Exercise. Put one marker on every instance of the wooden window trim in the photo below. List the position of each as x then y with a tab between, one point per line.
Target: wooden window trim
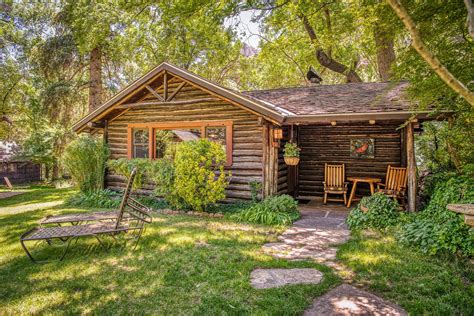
173	125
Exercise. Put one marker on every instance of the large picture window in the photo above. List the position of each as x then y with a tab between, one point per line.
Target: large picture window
154	140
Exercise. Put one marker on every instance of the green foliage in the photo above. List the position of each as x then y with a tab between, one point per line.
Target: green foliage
291	150
199	175
98	199
256	189
163	174
436	229
382	212
275	210
85	159
124	167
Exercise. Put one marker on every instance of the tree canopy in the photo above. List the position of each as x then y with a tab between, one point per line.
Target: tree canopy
59	60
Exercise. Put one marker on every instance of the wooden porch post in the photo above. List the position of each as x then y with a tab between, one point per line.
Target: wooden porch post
411	167
270	161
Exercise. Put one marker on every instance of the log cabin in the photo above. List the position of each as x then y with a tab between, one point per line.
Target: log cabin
253	126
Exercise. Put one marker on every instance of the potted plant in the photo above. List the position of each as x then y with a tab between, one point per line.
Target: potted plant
291	154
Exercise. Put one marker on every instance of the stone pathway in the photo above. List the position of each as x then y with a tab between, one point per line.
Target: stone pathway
315	237
269	278
348	300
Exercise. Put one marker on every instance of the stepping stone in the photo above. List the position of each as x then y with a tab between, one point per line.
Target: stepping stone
270	278
348	300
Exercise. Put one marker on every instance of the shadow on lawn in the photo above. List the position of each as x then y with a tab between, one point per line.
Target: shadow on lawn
183	265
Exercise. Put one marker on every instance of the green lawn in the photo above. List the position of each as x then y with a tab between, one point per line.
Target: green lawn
184	265
421	284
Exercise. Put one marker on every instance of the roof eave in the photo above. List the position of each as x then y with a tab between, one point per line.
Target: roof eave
327	117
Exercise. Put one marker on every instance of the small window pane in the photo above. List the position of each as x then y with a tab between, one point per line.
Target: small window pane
218	135
166	138
140	143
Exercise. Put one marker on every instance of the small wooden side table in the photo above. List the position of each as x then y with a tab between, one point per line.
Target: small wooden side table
356	180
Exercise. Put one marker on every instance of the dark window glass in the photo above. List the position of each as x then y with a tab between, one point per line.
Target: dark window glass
165	139
218	135
140	143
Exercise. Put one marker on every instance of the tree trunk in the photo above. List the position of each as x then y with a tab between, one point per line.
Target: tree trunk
95	77
426	54
327	61
470	17
385	51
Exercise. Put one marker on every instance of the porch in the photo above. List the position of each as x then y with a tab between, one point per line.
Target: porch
391	144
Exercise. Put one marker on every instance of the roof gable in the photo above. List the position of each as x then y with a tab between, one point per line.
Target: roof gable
152	87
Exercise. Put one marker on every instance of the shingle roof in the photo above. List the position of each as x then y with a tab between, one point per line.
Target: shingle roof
373	97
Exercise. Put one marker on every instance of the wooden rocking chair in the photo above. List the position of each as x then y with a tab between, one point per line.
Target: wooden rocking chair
334	176
131	219
395	183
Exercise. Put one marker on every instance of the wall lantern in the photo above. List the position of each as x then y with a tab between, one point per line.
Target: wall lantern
333	123
371	122
277	133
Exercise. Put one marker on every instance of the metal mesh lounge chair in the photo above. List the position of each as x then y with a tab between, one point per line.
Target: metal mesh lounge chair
82	218
133	224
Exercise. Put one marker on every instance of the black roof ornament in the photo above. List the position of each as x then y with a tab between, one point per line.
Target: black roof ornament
313	76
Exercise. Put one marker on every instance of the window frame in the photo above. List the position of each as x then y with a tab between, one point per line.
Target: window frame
175	125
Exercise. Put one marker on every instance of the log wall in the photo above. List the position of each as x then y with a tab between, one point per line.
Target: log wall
247	135
331	144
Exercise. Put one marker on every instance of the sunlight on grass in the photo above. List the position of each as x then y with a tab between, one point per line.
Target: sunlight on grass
419	283
183	265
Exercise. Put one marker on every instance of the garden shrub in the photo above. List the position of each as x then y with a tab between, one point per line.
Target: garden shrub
98	199
124	167
382	212
85	159
275	210
199	176
162	173
256	189
436	229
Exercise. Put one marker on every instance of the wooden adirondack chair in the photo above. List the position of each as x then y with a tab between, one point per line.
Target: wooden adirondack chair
395	183
334	176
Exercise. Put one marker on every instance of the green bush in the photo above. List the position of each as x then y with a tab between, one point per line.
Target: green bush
436	229
199	176
382	212
162	172
275	210
85	160
98	199
124	167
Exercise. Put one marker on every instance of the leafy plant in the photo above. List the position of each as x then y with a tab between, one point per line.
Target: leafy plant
98	199
85	159
275	210
163	174
256	189
124	167
291	150
436	229
199	175
382	212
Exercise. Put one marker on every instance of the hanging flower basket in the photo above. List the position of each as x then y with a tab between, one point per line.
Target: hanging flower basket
292	161
291	154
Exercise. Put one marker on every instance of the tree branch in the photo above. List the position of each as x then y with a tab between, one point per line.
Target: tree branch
325	60
425	53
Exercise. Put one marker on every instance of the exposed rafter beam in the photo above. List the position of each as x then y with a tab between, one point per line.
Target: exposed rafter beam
165	85
155	93
175	92
190	101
